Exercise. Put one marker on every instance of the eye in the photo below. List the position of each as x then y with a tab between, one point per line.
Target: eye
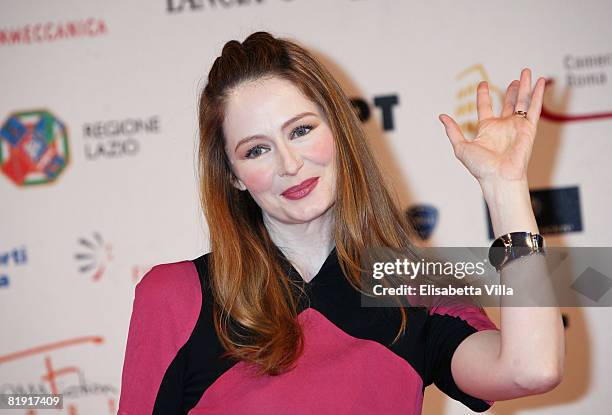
254	151
301	130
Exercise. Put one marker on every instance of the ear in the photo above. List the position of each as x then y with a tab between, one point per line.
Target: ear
237	183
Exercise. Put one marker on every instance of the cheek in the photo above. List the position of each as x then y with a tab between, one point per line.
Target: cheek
257	178
322	150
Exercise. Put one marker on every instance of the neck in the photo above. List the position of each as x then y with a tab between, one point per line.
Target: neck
307	244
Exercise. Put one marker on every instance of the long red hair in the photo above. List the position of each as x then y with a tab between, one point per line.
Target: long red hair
255	307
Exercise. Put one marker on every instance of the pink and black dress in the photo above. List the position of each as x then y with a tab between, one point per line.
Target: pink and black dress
173	361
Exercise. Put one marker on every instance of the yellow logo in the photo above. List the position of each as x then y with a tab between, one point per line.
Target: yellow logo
465	112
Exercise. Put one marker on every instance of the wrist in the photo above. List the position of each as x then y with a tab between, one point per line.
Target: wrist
499	192
509	206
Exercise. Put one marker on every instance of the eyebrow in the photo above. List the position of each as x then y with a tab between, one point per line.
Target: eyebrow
285	124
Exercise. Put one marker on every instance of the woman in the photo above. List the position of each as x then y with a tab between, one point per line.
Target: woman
270	321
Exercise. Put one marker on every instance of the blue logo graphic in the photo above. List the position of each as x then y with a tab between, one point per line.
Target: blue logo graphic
423	218
16	256
557	210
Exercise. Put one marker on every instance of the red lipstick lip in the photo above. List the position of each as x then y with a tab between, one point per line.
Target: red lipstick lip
296	191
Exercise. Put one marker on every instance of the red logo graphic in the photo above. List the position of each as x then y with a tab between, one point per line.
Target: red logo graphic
50	31
51	374
94	256
33	147
552	116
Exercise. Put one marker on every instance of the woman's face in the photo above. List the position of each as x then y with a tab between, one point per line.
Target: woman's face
276	139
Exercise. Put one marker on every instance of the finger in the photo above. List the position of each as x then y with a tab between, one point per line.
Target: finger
453	131
533	115
522	100
483	101
510	99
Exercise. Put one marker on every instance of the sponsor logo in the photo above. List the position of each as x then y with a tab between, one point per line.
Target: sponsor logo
177	6
13	257
52	31
466	112
93	256
557	210
423	218
68	380
117	138
581	72
33	147
385	103
585	71
561	117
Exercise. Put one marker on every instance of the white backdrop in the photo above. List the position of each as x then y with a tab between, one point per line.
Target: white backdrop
118	84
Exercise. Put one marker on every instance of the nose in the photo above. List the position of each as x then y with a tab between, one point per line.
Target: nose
290	160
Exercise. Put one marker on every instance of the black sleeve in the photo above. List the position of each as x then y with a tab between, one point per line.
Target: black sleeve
446	329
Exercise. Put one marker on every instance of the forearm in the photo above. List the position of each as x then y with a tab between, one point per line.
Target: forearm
510	207
532	338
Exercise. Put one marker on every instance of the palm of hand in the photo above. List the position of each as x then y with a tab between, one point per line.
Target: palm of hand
502	146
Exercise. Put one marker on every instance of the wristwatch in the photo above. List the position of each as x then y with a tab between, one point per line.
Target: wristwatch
514	245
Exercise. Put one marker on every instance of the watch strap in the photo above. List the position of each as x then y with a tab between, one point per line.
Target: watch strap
514	245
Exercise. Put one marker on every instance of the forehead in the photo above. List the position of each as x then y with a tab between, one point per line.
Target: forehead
261	106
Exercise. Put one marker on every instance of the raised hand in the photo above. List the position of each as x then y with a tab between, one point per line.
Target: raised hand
502	147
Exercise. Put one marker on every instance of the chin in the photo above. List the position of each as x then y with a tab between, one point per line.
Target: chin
309	213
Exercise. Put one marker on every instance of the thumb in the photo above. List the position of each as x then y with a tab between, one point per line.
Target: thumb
453	131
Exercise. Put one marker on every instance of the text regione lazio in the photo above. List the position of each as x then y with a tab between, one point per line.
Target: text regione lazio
305	207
